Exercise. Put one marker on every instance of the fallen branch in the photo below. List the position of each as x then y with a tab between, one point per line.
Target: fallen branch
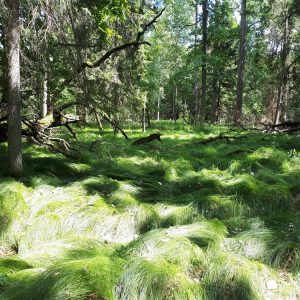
219	138
285	127
222	137
148	139
115	125
186	121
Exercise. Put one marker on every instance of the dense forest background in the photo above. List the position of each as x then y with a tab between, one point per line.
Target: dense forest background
209	61
161	149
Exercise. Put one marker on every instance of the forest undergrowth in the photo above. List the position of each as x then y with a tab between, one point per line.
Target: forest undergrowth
171	220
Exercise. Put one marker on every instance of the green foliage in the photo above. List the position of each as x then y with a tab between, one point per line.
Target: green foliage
167	221
106	12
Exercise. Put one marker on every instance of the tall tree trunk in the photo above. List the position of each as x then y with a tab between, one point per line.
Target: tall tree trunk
148	117
214	102
81	110
14	101
144	117
158	107
3	78
44	96
241	63
196	84
283	81
204	66
175	103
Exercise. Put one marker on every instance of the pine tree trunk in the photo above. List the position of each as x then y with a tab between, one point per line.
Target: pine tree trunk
158	107
196	84
204	66
14	101
144	118
214	102
241	64
282	96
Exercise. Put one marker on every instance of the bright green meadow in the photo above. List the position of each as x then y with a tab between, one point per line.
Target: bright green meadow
173	220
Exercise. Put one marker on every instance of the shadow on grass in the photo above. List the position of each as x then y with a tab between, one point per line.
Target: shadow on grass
255	177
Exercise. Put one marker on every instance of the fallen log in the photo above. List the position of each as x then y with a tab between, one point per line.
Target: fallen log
148	139
221	137
285	127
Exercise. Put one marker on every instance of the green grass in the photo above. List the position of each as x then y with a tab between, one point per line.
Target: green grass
172	220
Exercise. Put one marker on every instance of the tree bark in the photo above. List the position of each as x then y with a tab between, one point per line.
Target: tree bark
97	117
44	98
158	108
214	102
204	66
241	64
175	104
283	81
196	83
14	113
144	118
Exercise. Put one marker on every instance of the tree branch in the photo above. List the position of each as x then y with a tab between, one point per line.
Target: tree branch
141	33
108	54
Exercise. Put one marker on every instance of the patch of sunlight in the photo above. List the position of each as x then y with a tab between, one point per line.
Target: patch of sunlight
184	136
211	151
215	174
178	250
177	168
171	174
271	156
237	179
240	278
234	166
202	233
156	280
175	215
128	188
80	167
291	165
252	244
60	213
222	207
137	161
44	254
124	196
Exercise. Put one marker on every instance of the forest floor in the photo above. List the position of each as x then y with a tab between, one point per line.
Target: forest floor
172	220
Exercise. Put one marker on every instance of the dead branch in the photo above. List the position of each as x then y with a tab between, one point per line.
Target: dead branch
186	121
141	33
148	139
285	127
115	125
137	43
219	138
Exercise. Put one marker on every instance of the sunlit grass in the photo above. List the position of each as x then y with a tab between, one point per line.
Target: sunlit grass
171	220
